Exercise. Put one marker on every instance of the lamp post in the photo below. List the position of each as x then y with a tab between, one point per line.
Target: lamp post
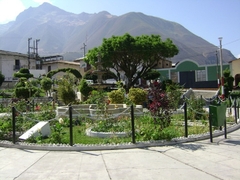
221	68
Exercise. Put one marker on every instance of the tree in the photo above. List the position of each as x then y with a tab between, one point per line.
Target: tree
228	82
46	84
135	56
66	89
2	78
152	75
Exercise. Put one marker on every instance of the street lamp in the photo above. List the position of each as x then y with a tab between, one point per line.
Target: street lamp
221	68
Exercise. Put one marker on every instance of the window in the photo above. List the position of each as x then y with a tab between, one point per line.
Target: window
174	77
49	68
17	64
200	75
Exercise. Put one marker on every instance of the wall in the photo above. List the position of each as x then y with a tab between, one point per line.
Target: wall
7	63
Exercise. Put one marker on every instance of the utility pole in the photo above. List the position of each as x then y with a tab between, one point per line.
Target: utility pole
221	68
37	47
34	51
218	80
84	49
29	39
38	63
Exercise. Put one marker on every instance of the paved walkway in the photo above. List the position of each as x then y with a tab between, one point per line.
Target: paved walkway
193	160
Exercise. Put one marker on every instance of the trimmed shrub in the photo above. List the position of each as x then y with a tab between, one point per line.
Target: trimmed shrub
137	95
84	88
116	96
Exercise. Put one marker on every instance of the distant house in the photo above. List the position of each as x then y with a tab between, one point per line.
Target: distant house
11	62
235	70
60	64
191	75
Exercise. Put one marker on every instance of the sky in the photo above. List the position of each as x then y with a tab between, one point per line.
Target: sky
208	19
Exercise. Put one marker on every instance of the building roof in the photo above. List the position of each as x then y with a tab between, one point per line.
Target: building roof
234	60
62	62
2	52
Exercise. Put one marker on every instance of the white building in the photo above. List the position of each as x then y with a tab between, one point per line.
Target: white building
11	62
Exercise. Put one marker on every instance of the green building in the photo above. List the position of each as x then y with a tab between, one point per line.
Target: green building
191	75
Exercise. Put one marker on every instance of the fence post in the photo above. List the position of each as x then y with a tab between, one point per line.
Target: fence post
235	110
33	105
210	127
14	124
185	118
238	109
71	124
133	128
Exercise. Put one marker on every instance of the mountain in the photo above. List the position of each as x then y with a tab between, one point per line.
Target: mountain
61	32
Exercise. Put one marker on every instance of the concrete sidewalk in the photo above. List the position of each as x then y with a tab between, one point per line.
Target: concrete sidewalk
193	160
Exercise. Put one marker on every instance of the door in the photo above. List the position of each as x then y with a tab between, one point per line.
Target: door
187	78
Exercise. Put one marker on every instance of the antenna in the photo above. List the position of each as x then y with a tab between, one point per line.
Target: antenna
84	49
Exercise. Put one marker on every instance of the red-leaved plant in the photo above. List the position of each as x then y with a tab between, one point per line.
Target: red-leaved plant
160	106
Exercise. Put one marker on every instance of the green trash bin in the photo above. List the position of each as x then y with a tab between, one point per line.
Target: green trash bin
218	114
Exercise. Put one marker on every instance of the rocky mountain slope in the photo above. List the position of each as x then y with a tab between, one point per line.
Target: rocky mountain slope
61	32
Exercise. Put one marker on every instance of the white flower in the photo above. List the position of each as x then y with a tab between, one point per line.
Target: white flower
60	120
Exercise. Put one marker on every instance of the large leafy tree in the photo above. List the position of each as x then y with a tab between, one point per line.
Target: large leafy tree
135	56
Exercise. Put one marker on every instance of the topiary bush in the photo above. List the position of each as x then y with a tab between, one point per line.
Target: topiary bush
116	96
23	73
137	95
84	88
46	84
25	89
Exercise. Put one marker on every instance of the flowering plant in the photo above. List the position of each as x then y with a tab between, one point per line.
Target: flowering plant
160	107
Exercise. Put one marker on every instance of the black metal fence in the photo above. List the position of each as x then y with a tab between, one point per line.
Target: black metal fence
15	112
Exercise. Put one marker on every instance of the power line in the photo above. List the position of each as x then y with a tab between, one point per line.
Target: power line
232	42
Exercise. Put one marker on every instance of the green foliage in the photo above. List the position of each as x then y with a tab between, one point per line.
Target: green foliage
66	91
195	109
228	82
57	133
75	72
137	95
46	84
84	88
116	96
147	130
98	98
25	89
2	78
5	126
152	75
111	125
127	53
23	73
174	92
235	94
90	75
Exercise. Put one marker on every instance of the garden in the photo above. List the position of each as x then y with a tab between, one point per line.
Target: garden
76	112
161	116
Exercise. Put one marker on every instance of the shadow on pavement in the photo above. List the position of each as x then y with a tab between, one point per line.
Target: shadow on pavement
193	147
234	142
